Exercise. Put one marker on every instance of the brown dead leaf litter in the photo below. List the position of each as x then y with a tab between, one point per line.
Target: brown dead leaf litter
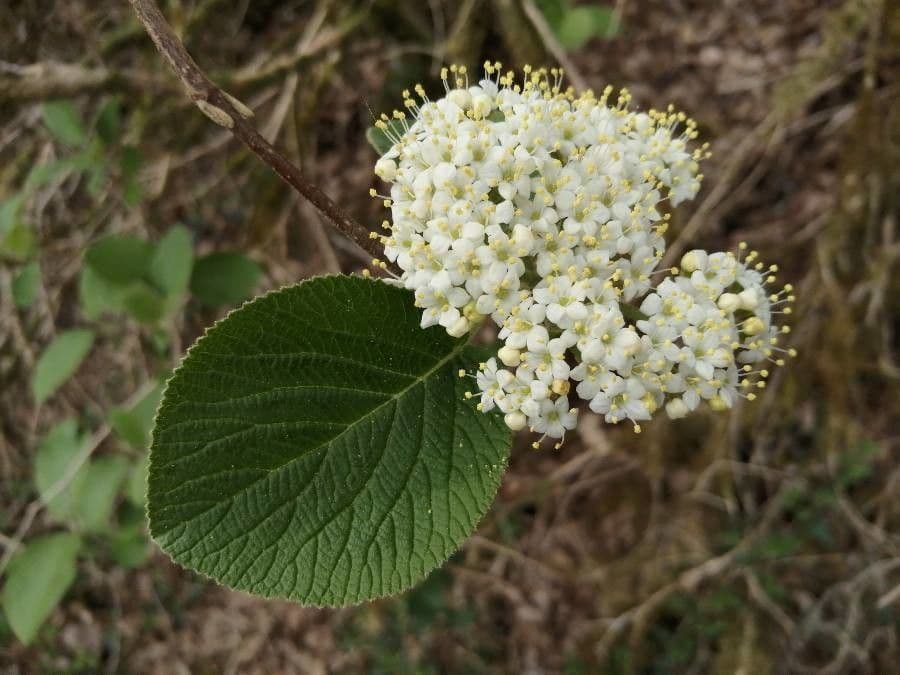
747	542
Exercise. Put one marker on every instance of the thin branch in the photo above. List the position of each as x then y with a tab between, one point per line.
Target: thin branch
228	112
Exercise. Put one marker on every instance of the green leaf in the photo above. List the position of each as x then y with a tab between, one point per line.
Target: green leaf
89	497
63	121
130	162
143	302
97	295
580	24
38	579
89	159
316	445
19	242
224	278
53	459
127	273
60	361
16	237
10	211
97	496
136	487
109	121
26	283
120	258
632	313
380	140
133	425
170	267
129	545
47	172
553	10
96	179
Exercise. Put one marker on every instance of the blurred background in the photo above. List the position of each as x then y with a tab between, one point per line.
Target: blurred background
765	540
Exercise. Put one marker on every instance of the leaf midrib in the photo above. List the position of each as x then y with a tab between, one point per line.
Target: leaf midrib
417	380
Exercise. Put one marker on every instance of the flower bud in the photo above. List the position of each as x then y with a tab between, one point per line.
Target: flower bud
515	421
729	302
386	169
676	409
749	299
461	97
630	343
753	326
522	237
509	356
482	105
459	327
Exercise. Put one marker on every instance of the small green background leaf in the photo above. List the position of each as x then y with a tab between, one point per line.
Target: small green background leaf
26	283
38	578
89	497
136	486
109	121
56	452
579	24
10	211
133	424
130	162
124	273
102	479
224	278
128	545
144	303
96	295
316	445
63	121
120	258
575	25
16	237
60	361
171	264
380	140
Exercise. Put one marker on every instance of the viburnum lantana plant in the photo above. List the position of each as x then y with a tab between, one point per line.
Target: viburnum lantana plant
334	441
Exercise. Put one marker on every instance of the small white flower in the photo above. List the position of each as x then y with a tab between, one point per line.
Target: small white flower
554	418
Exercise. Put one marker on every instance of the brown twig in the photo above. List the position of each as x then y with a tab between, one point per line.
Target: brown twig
228	112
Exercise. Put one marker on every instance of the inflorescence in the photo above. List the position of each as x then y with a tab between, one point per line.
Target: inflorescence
518	200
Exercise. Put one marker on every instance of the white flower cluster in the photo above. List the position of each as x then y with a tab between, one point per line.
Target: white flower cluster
522	202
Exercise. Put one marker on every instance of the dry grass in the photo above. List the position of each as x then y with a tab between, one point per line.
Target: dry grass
765	540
